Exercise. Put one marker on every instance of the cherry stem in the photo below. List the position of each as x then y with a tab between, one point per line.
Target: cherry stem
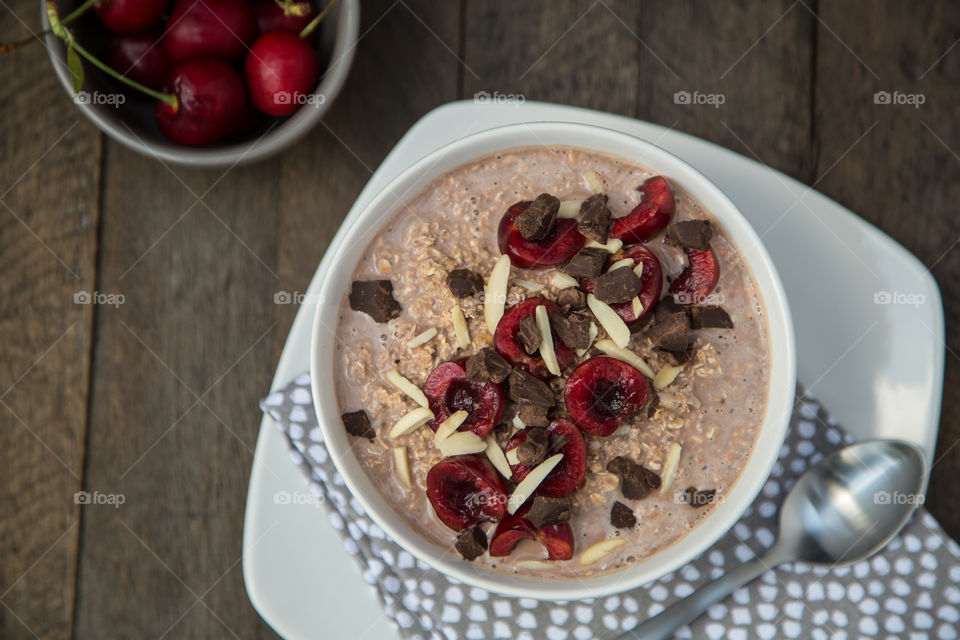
56	26
307	30
34	37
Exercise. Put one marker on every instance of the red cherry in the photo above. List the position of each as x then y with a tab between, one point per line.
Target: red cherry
651	277
564	478
557	538
557	248
281	70
448	390
466	490
129	16
506	344
648	218
271	16
210	99
217	28
601	392
140	57
698	279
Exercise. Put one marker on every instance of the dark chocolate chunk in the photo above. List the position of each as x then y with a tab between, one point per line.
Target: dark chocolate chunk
621	516
357	423
547	511
697	498
667	305
692	234
572	298
710	318
669	332
534	448
374	298
537	221
528	334
587	263
635	481
487	365
573	329
619	285
532	415
464	283
683	357
595	218
529	389
471	543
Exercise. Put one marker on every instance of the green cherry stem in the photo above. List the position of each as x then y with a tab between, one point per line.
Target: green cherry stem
307	30
56	26
33	37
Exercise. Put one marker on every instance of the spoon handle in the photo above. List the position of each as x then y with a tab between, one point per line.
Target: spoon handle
662	625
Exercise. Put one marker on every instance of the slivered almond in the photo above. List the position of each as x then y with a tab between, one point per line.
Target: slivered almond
462	443
446	428
613	245
497	458
402	465
403	385
637	306
534	565
594	181
511	456
593	333
562	280
495	295
410	422
600	550
613	324
638	269
518	423
614	351
532	287
422	338
569	209
546	341
670	466
460	327
530	483
626	262
667	374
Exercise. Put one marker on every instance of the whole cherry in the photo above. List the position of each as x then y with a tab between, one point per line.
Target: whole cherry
138	56
209	102
281	71
130	16
217	28
291	16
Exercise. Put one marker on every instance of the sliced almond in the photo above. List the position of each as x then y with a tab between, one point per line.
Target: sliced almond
446	428
534	565
497	458
530	483
403	466
626	262
594	181
665	377
396	378
613	245
670	466
614	351
562	280
495	295
462	443
511	456
422	338
518	423
460	327
600	550
569	209
546	341
411	422
593	333
637	306
532	287
638	269
613	324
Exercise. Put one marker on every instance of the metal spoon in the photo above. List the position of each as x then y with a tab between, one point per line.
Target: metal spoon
841	511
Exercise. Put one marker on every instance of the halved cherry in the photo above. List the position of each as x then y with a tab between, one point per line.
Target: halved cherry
648	218
557	538
506	344
601	392
698	279
448	390
651	277
557	248
568	474
465	491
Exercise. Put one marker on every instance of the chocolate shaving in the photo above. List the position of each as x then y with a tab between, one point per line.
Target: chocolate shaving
621	516
374	298
635	481
533	450
357	423
471	543
698	499
595	218
528	334
537	221
572	298
464	283
547	511
573	329
692	234
532	415
529	389
487	365
587	263
617	286
708	317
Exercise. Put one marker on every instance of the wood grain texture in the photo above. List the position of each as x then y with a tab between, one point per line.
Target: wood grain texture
49	177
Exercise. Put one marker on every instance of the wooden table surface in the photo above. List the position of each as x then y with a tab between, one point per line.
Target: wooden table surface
155	399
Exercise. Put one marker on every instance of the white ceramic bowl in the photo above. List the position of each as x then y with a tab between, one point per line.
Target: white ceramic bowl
362	225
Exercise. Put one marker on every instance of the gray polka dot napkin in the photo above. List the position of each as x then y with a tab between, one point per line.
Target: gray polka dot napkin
910	590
